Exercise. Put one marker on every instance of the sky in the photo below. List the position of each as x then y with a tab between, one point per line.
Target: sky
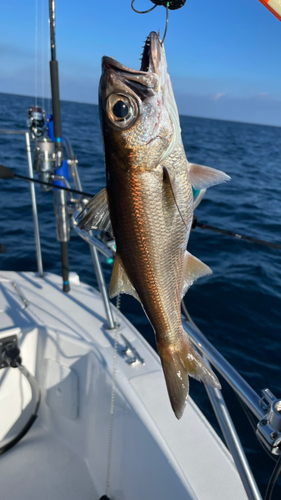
223	55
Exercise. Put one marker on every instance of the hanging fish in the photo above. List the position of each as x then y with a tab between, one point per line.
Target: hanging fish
149	202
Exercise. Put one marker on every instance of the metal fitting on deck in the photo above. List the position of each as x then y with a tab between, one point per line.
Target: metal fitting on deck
269	427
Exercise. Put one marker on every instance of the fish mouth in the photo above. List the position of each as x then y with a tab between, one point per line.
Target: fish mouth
134	88
149	61
151	53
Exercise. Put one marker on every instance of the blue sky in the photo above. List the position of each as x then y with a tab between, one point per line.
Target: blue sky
223	55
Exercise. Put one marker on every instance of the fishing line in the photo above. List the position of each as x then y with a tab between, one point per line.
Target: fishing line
42	48
141	11
49	90
36	51
171	5
149	10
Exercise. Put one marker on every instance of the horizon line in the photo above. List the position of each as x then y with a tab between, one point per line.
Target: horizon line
180	114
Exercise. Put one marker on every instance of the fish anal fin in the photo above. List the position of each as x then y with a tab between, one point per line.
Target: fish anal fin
120	281
172	182
177	365
202	177
97	214
192	270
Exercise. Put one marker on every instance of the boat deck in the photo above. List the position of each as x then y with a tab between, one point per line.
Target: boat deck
42	467
65	343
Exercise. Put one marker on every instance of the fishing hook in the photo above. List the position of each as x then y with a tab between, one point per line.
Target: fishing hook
166	27
149	10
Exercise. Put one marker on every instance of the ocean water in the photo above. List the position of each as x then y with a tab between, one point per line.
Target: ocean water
239	306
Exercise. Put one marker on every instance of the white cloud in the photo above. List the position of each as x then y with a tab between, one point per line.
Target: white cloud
262	95
217	96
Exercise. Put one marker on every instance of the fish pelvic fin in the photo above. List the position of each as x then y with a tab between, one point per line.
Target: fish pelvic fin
120	281
96	214
202	177
193	269
178	364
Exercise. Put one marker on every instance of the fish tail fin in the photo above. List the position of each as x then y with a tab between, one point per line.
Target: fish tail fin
180	363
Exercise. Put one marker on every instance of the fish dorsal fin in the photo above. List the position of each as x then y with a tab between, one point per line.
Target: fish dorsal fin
202	177
97	216
172	182
193	269
120	281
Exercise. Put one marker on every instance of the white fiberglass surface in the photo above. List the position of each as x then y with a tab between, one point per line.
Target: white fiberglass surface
70	351
15	391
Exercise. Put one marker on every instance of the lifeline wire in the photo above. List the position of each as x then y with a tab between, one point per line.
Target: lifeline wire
114	371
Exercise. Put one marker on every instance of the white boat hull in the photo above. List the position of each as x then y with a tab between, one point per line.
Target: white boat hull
65	343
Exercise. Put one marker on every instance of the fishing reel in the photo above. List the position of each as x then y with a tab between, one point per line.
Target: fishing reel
44	160
36	121
44	157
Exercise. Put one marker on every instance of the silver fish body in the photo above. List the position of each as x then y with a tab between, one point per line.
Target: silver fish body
149	202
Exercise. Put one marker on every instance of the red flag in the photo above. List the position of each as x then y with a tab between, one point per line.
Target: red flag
274	6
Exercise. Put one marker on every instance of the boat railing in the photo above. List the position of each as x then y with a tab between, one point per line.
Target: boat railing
26	133
267	409
258	406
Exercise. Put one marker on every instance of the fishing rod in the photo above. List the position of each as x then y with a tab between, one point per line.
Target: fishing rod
61	166
234	234
7	173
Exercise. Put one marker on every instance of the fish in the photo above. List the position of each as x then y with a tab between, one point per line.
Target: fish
148	207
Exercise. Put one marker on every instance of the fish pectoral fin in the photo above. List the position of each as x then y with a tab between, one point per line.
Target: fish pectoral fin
172	182
202	177
120	281
178	364
97	214
193	269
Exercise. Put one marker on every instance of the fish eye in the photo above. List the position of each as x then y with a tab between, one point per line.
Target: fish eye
122	110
